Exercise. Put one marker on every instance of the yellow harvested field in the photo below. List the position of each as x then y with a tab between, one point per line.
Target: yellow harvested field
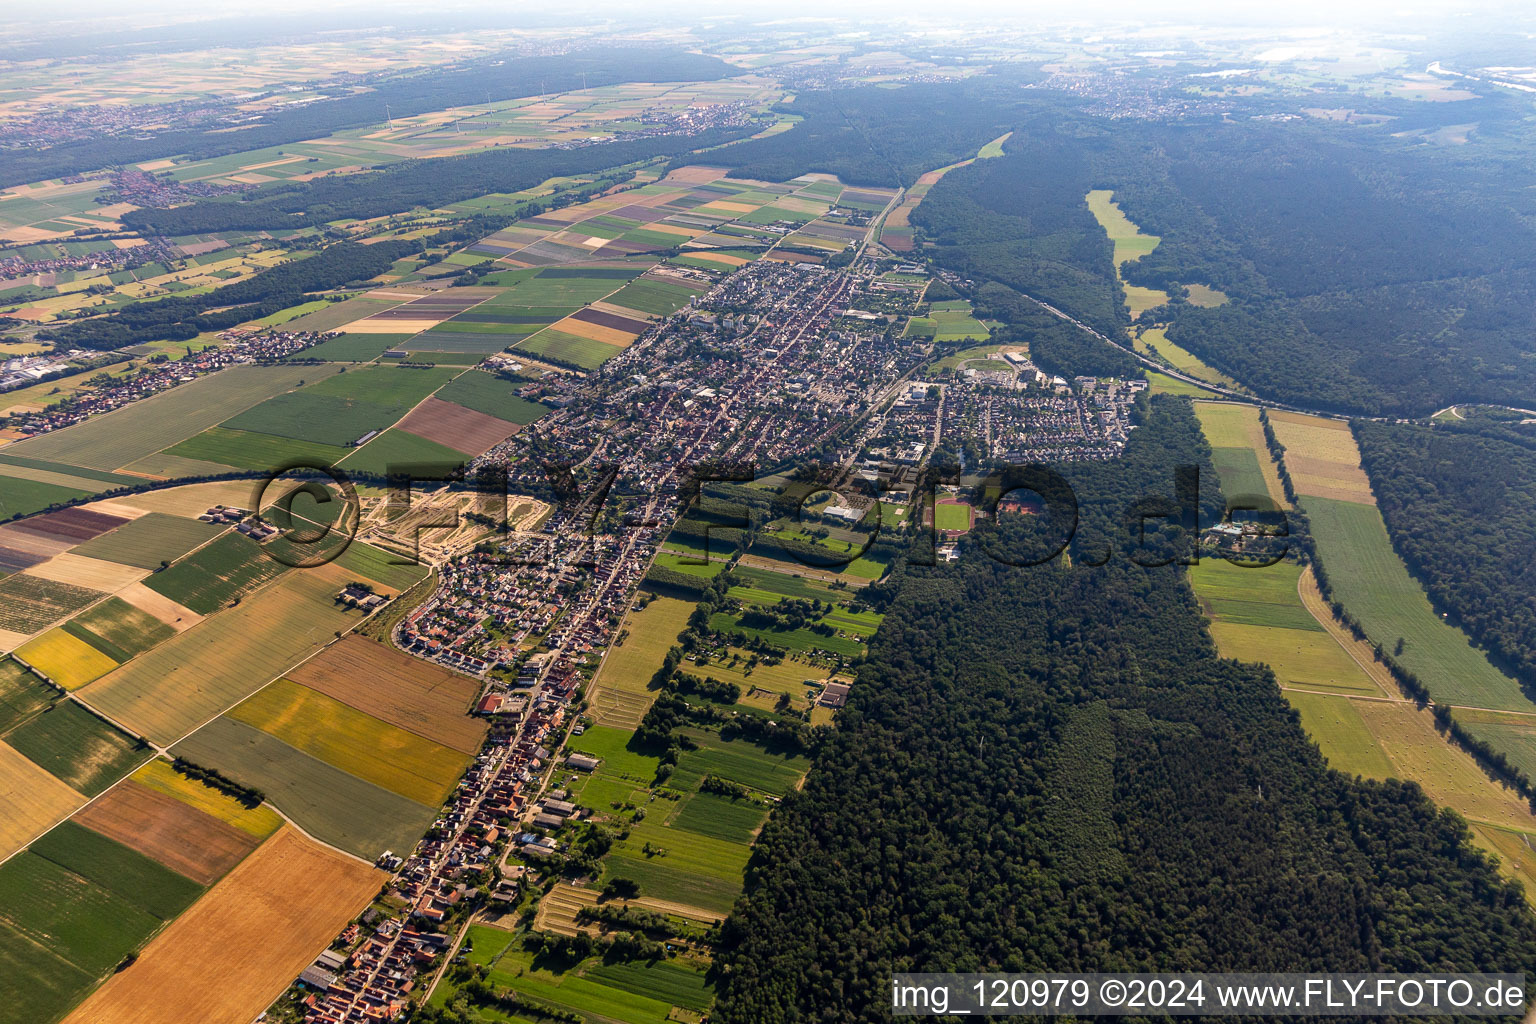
721	206
260	821
93	573
10	640
178	617
389	326
243	943
31	800
355	742
1322	457
194	499
620	695
719	257
594	332
66	660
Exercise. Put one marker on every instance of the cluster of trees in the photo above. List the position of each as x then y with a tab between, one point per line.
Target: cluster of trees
399	187
216	779
413	92
1051	769
1457	504
184	317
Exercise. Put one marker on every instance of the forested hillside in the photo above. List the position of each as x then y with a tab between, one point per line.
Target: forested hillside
875	136
406	94
1458	504
1021	220
1350	289
1050	769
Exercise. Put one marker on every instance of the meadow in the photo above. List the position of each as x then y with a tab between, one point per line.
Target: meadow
620	691
150	540
1372	582
118	438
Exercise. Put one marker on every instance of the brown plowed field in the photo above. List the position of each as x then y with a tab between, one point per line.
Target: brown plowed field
457	427
177	835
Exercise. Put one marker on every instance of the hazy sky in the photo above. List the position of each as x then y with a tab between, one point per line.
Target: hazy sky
51	18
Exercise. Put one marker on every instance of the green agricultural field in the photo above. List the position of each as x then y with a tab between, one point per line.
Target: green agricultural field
81	750
353	348
783	584
396	450
28	603
379	566
213	576
169	691
567	348
150	540
658	298
487	393
118	629
1372	582
68	916
339	314
562	286
344	407
143	428
125	872
20	497
325	801
1264	596
739	761
1241	476
713	884
36	984
602	993
244	449
735	821
22	695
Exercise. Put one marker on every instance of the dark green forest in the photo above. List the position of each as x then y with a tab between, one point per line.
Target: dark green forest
415	92
1458	502
878	137
1050	769
1366	274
